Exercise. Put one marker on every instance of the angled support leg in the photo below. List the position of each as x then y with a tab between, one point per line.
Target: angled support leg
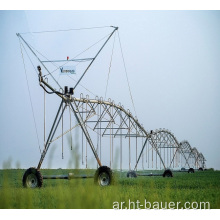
141	153
174	156
158	153
51	134
84	129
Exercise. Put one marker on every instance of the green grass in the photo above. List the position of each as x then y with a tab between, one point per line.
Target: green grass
82	193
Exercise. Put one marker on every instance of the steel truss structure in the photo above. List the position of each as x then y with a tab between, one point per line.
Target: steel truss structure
193	159
102	117
167	147
112	121
158	149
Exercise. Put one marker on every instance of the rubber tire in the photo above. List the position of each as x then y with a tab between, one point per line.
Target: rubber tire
36	174
131	174
200	169
167	173
191	170
183	169
103	170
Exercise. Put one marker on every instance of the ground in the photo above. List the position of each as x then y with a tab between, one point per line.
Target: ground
201	188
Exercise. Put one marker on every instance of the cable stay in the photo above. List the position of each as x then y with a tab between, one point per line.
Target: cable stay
67	30
127	75
29	93
110	67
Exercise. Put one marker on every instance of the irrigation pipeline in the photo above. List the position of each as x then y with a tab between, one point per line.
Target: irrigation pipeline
161	141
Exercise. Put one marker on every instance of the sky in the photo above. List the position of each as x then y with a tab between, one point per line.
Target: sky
172	62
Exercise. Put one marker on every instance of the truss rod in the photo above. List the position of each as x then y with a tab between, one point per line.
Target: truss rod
115	28
39	60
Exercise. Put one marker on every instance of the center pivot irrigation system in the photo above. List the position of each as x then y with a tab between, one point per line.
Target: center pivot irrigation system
107	128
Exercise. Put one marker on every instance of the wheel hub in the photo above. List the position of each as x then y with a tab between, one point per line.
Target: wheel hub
31	181
104	179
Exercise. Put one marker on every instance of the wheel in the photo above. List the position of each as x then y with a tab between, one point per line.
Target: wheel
32	178
168	173
200	169
131	174
191	170
183	169
103	176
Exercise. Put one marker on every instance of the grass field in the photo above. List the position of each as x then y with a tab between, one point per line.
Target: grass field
82	193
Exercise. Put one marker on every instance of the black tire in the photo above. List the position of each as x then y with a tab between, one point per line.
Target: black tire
103	176
167	173
32	178
191	170
131	174
200	169
183	169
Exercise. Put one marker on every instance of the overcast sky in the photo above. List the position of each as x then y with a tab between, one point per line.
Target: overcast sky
172	60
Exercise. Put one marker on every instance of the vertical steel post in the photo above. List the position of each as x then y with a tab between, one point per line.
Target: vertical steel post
44	118
62	132
120	144
129	144
71	139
